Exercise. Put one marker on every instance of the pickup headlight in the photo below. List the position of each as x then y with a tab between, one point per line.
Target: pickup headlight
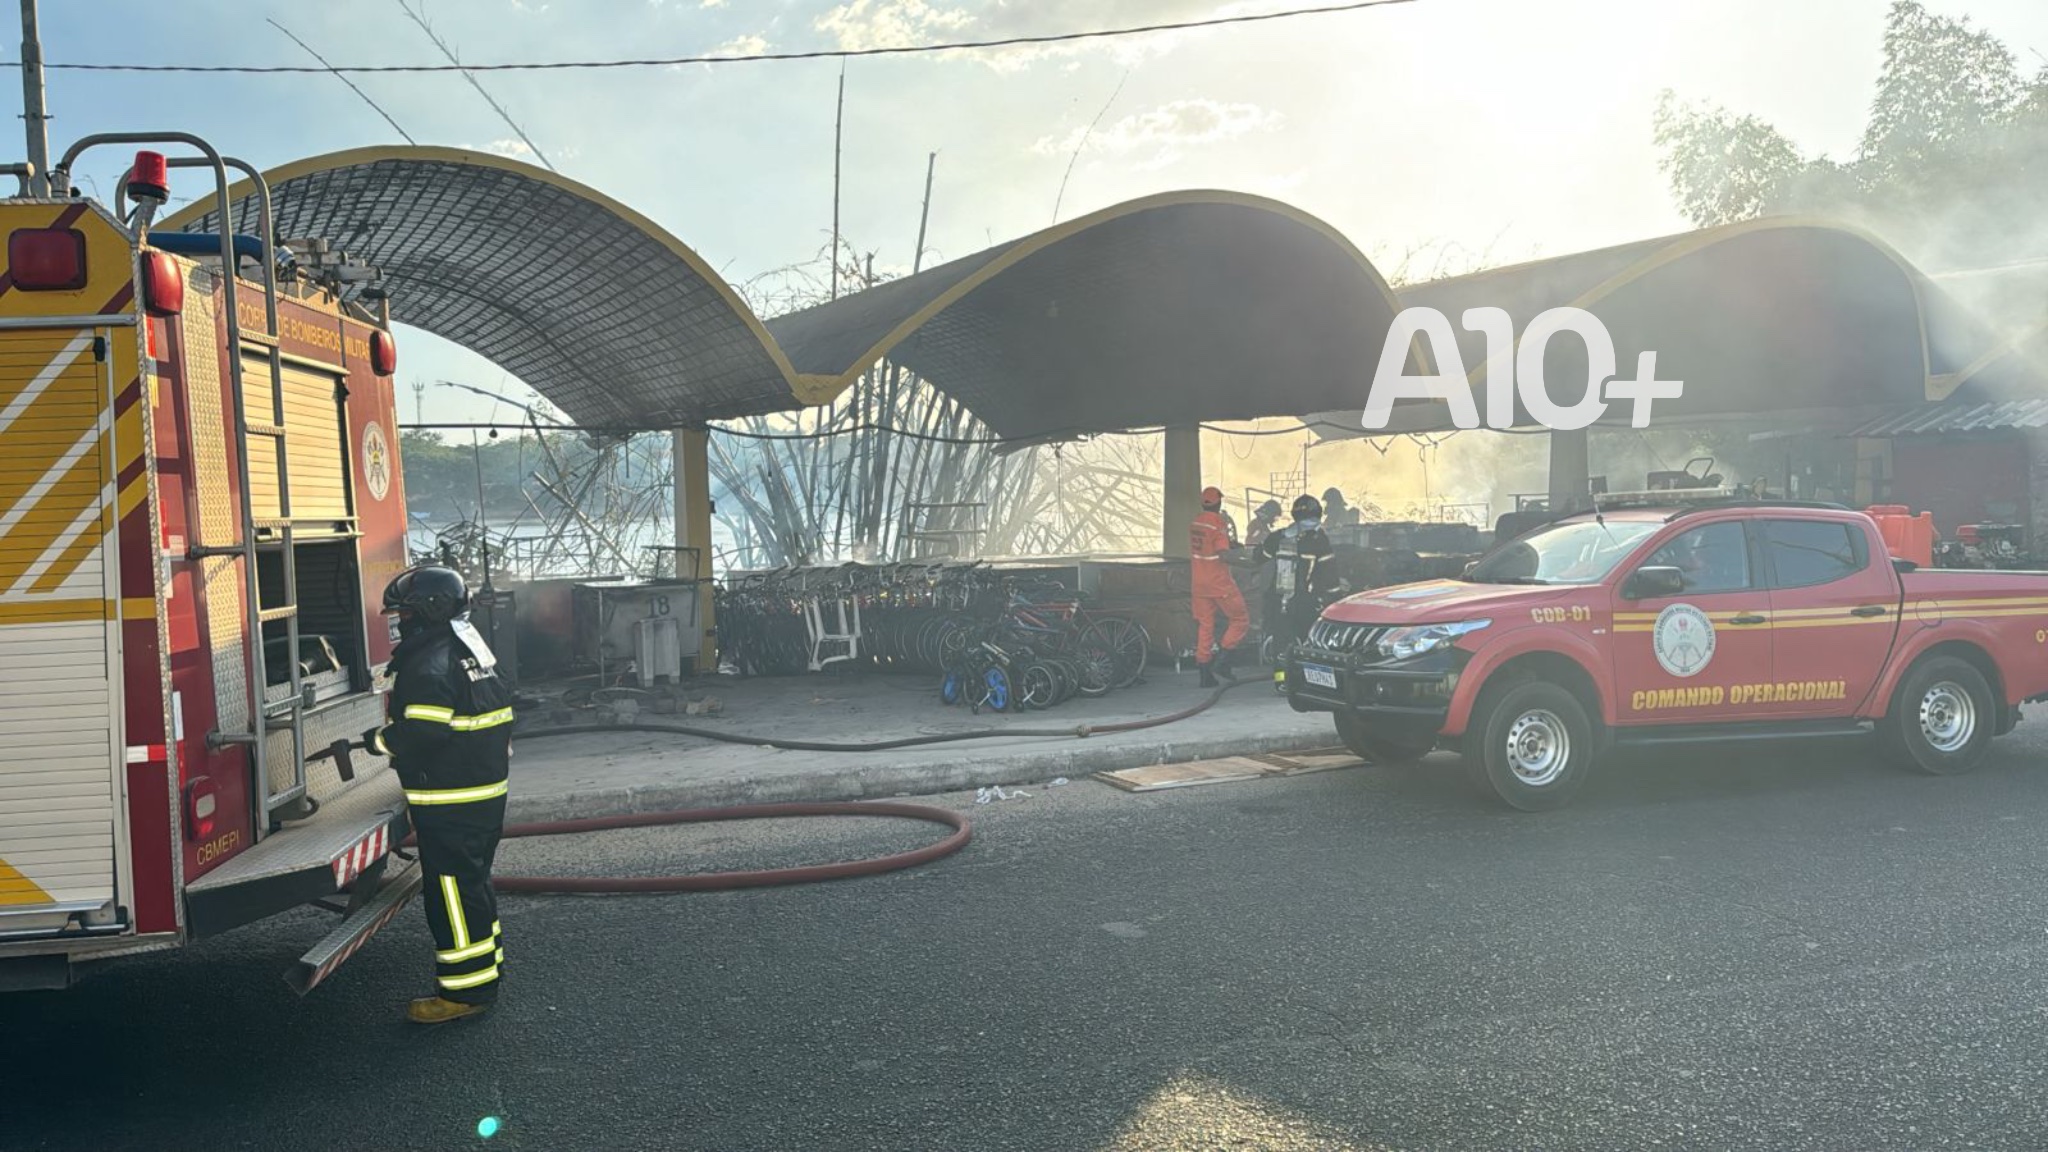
1408	643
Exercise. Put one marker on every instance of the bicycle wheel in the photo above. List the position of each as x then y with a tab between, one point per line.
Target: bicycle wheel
1066	679
951	688
1000	695
1096	666
1127	645
1037	687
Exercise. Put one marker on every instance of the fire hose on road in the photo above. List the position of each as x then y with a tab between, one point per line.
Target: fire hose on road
724	881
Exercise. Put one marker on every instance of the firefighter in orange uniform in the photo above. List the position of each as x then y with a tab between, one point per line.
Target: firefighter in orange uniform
1214	589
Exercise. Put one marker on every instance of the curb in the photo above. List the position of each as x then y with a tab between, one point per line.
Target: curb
884	781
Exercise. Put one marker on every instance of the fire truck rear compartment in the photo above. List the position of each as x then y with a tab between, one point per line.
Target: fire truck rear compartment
338	841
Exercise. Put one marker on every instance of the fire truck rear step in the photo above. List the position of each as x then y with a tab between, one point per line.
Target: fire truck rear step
305	861
365	919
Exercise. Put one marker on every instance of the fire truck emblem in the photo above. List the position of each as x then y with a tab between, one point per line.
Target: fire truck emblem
1683	640
376	460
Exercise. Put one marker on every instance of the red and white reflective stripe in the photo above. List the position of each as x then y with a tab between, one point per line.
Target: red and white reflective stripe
147	754
328	968
367	851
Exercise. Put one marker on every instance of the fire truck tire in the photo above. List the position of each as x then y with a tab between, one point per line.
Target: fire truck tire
1941	719
1380	747
1533	745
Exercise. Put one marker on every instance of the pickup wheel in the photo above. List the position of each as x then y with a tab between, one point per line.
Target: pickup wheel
1381	747
1941	718
1533	746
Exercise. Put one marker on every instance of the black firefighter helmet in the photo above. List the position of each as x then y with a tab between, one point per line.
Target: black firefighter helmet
1307	507
429	594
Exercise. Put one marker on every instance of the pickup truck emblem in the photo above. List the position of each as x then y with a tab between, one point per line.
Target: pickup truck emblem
1683	640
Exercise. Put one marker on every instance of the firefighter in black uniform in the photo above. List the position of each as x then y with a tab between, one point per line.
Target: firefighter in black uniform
449	738
1300	581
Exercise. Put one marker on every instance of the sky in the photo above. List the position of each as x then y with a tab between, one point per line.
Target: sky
1442	135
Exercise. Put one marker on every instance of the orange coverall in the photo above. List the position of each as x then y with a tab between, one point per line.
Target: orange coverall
1213	587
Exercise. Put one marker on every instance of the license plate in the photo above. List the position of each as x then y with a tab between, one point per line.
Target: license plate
1319	676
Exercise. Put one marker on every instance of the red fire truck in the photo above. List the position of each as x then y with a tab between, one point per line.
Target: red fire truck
1670	617
200	503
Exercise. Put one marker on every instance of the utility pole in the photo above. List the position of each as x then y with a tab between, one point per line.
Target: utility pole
838	134
35	118
883	495
419	401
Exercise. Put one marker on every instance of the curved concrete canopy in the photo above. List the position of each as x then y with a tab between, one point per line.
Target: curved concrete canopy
1171	309
1775	316
598	308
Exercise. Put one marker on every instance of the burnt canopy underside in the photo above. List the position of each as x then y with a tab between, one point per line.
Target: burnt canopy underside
1167	314
608	318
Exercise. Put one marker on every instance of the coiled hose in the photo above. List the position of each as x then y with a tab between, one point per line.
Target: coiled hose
808	874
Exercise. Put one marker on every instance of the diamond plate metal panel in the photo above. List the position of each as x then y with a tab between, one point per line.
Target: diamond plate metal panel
218	524
341	720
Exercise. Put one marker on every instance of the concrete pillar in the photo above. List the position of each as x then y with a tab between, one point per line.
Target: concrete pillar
693	530
1570	468
1873	472
1181	476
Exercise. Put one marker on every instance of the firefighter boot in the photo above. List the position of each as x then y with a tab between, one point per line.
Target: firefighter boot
1222	666
1208	676
434	1010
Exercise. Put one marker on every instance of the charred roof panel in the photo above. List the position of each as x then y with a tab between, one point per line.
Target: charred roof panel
1757	318
1172	309
615	321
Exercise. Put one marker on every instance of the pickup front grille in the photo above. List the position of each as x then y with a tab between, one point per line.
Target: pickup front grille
1350	639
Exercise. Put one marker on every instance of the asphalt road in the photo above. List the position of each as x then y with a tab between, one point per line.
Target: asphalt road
1785	949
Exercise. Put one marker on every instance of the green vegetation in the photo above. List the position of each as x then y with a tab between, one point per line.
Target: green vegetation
1952	167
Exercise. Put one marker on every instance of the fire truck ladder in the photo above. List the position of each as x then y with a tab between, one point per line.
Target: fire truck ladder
262	534
291	796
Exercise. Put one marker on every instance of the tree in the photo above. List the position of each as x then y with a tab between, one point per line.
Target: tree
843	482
1952	167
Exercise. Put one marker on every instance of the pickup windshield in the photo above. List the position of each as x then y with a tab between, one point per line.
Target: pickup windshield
1581	552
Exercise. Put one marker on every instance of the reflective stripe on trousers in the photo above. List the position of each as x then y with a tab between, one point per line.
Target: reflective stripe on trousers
457	795
458	846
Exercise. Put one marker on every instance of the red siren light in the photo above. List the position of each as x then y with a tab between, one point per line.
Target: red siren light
150	178
383	353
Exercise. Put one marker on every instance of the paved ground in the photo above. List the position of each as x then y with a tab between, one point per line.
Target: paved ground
589	775
1786	950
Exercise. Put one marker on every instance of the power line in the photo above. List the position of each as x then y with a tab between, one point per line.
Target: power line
420	18
820	54
345	80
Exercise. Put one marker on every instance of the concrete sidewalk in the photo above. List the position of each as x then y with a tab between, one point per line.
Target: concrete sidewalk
569	776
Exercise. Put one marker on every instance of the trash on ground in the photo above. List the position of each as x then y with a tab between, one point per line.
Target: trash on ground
1229	769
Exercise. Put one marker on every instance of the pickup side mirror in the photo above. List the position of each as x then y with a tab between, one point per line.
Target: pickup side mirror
1903	566
1653	582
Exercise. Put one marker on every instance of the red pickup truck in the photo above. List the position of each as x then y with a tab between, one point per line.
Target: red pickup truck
1677	621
